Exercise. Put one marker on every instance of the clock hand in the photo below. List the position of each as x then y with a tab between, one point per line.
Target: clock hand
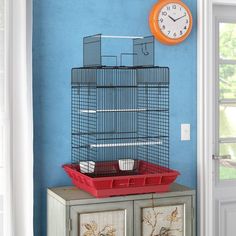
171	18
180	17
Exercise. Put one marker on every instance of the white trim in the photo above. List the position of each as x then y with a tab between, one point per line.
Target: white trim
204	96
21	118
223	2
7	205
205	108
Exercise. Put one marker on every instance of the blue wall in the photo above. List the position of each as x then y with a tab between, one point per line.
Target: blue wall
59	26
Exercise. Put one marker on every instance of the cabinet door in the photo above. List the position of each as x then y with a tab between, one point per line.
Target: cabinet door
164	217
103	219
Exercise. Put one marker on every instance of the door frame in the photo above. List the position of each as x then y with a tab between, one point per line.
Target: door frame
205	106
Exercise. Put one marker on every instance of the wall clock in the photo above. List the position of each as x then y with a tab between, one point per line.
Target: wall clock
170	21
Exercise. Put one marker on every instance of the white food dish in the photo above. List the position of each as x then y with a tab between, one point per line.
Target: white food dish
87	166
126	164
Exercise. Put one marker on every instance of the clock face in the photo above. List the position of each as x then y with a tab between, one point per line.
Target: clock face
173	20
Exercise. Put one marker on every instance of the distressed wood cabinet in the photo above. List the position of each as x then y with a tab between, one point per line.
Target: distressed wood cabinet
73	212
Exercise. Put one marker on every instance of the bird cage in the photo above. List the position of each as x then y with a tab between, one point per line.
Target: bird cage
120	121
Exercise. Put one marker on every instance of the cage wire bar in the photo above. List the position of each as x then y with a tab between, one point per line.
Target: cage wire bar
120	113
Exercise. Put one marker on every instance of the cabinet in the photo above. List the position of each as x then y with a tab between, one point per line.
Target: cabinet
73	212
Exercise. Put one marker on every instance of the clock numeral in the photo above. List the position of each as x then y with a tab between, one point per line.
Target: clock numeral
163	27
180	8
174	34
174	6
185	27
168	31
164	13
180	32
168	8
187	21
161	20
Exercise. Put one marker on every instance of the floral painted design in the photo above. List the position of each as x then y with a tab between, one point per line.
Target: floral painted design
163	221
92	229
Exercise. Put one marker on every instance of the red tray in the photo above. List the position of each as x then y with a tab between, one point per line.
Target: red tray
147	178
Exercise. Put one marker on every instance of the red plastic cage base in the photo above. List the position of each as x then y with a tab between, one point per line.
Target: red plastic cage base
148	178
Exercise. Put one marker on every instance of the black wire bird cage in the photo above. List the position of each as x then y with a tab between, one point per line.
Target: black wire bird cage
120	117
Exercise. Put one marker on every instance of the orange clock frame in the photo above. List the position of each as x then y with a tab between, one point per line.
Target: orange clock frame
154	26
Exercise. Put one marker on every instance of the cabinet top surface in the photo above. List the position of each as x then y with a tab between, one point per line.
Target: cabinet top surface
70	195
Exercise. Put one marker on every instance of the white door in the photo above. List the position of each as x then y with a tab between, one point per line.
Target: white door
224	158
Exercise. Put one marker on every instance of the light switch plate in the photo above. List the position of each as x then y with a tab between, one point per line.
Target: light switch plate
185	132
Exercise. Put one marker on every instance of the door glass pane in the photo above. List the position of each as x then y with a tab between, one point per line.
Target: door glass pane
227	95
2	109
2	50
228	167
2	93
227	120
2	20
227	41
227	80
